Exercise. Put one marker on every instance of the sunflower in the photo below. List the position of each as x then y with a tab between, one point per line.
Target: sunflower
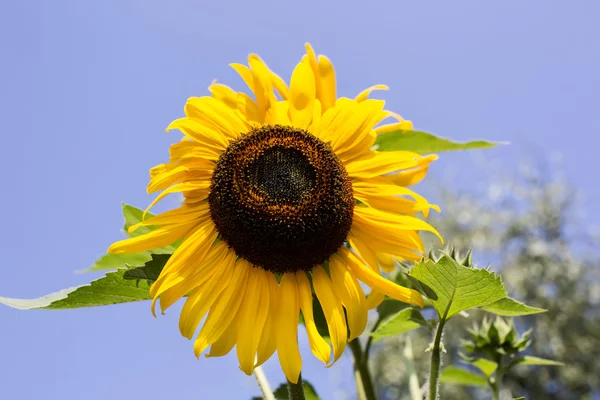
284	197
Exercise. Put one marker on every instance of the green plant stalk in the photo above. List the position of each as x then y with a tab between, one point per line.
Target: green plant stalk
370	339
296	390
263	383
495	391
413	379
436	360
362	375
497	381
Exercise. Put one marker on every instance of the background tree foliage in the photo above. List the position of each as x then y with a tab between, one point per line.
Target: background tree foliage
529	228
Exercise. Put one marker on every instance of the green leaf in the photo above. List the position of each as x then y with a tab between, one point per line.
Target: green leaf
320	321
404	321
453	288
530	360
116	261
486	366
110	289
132	215
150	271
509	307
390	306
459	376
423	142
282	392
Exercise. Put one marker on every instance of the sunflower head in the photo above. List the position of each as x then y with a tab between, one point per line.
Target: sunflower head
277	182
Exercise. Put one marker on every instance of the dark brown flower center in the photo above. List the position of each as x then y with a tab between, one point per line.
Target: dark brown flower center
281	198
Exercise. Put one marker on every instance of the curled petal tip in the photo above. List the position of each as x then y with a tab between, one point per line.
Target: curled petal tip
153	307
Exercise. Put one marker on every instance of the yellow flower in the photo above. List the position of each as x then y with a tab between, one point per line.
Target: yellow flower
283	195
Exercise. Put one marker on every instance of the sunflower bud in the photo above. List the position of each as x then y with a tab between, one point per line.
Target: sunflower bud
497	337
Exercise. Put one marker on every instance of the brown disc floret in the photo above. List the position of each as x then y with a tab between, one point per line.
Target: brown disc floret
281	198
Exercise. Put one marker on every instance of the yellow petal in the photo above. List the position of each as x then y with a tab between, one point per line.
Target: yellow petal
378	282
159	237
193	197
383	163
327	94
248	108
362	96
279	114
180	215
262	85
386	261
202	184
171	293
173	286
332	308
375	298
348	126
280	86
302	95
316	119
213	114
311	57
224	94
200	132
383	220
366	116
381	193
412	176
268	343
360	149
403	125
203	298
364	252
287	328
193	248
225	343
251	318
191	148
392	204
187	170
224	309
404	245
335	121
245	73
347	289
318	345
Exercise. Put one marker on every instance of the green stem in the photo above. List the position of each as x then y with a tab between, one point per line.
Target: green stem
263	383
296	390
495	391
413	380
370	339
364	383
436	360
495	384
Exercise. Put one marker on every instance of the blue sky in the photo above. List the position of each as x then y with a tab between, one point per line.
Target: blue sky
87	88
